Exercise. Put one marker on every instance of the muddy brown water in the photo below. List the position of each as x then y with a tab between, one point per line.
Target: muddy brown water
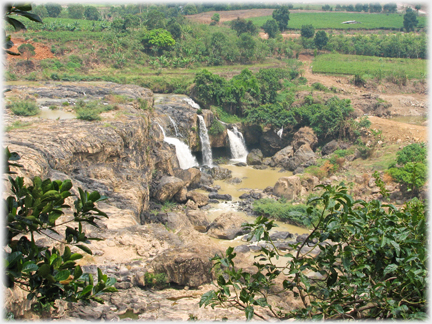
47	113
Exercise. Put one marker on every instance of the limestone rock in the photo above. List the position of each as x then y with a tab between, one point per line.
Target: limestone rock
330	147
255	157
304	135
304	157
219	173
227	226
214	195
285	153
199	198
167	188
180	196
288	187
198	219
191	176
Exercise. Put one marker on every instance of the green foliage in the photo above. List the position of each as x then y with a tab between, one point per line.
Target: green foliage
281	15
159	39
91	13
156	280
76	11
271	28
320	87
215	18
415	152
307	31
24	108
241	26
90	110
375	267
46	273
410	21
54	9
285	211
216	128
321	39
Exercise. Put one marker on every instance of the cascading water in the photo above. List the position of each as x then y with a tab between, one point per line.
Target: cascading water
237	145
205	143
192	103
279	132
175	127
184	154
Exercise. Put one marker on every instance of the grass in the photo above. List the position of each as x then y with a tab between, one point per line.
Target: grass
18	125
373	65
333	20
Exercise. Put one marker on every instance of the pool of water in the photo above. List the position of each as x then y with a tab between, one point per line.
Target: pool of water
47	113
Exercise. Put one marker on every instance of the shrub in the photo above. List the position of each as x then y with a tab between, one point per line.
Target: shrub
156	280
87	114
319	86
25	108
216	128
412	153
316	171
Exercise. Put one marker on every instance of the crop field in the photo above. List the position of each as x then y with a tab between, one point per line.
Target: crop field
369	65
333	20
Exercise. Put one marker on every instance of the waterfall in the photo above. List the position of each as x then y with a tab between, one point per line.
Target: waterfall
192	103
184	154
279	132
205	143
237	145
175	127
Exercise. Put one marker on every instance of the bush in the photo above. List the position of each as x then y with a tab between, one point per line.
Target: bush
25	108
156	280
216	128
319	86
412	153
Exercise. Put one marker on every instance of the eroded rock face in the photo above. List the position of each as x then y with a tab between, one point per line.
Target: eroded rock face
198	198
187	267
227	226
255	157
303	156
191	176
167	188
304	135
198	219
330	147
283	154
288	187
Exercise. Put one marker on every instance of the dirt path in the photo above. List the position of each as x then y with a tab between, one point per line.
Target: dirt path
392	130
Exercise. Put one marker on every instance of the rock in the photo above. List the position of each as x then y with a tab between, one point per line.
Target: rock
270	143
304	135
191	204
219	173
298	170
256	194
304	156
309	181
167	188
206	180
209	188
283	154
199	198
330	147
191	176
185	266
227	226
267	161
260	167
242	249
245	196
198	219
268	189
213	201
234	181
255	157
371	182
180	196
240	164
288	187
214	195
281	236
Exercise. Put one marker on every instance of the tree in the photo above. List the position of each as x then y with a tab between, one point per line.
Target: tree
321	39
375	7
418	7
155	19
281	15
410	21
370	263
241	26
174	28
390	7
247	46
76	11
131	22
158	40
271	28
358	7
46	273
91	13
307	31
215	19
53	9
40	11
326	8
190	9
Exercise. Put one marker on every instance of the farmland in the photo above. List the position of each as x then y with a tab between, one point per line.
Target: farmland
370	65
333	20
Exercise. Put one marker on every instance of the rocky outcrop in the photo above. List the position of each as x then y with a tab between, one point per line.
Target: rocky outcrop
191	177
283	155
198	219
255	157
218	173
227	226
288	187
198	198
167	188
304	135
330	147
303	156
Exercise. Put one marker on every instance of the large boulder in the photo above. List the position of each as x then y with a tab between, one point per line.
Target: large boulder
309	181
199	198
330	147
215	195
255	157
186	267
167	188
303	156
288	187
227	226
218	173
304	135
198	219
180	196
191	176
283	154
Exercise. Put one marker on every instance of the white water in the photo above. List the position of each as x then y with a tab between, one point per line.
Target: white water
192	103
237	145
205	143
279	132
184	154
175	127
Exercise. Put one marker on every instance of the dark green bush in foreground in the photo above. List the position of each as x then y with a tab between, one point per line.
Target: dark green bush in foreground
24	108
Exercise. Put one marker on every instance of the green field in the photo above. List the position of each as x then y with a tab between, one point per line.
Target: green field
333	20
370	65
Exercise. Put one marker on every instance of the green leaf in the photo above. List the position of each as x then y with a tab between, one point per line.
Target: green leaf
77	272
110	289
29	266
44	270
207	298
76	256
30	16
67	253
23	7
390	268
15	23
62	275
84	248
249	312
13	257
